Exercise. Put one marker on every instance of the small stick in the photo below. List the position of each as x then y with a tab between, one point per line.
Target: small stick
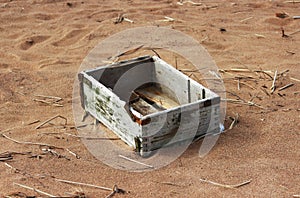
51	97
48	103
37	144
274	81
235	120
238	84
78	136
35	190
290	52
128	52
50	119
295	79
296	196
30	143
33	122
191	70
286	86
294	32
83	184
168	19
246	19
225	185
128	20
296	17
293	1
249	103
204	39
131	160
260	36
11	167
243	83
72	153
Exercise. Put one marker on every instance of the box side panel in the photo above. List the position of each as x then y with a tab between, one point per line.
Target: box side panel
106	107
181	124
186	89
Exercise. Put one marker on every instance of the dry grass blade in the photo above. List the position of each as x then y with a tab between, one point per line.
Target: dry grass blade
294	32
72	153
225	185
298	196
50	119
38	144
9	155
246	19
234	122
239	101
84	184
286	86
114	191
295	79
35	190
50	97
131	160
273	87
54	153
260	36
33	122
48	102
293	1
128	52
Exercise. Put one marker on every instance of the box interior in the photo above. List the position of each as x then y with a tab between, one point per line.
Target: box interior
149	85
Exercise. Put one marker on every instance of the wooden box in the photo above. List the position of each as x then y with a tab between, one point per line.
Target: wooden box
148	103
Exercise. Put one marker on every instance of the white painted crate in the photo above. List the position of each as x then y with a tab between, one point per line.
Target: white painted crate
155	114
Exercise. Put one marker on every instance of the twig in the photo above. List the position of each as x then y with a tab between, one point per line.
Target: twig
243	83
168	19
72	153
78	136
128	52
225	185
260	36
295	79
249	103
286	86
296	17
29	143
296	196
52	152
235	120
290	52
114	191
274	81
54	103
33	122
294	32
246	19
156	53
37	144
9	155
84	184
11	167
35	190
50	119
191	2
293	1
50	97
141	163
119	19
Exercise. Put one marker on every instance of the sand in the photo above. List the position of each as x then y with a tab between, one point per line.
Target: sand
43	43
